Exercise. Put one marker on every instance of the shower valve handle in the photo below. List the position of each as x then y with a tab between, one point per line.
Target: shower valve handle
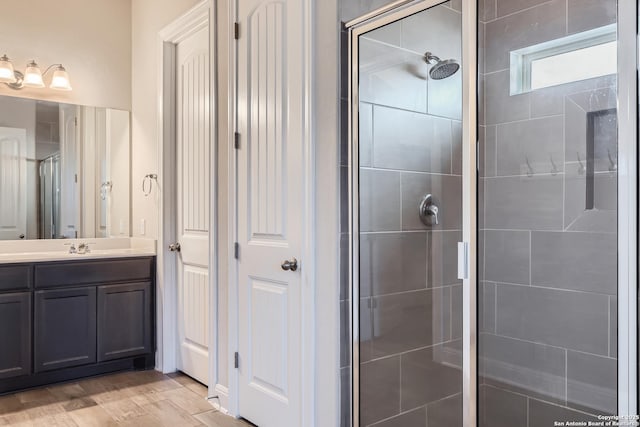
428	211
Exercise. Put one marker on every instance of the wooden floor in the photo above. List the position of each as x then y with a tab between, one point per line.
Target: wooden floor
141	399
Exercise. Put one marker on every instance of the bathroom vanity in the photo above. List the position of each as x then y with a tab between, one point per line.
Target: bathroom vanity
64	317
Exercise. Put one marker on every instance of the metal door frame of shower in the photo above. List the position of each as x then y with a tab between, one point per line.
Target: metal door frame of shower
380	17
627	207
628	18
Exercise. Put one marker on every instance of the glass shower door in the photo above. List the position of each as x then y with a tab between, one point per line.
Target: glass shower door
407	179
549	197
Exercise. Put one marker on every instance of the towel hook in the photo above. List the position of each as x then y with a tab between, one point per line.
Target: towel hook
554	168
613	164
581	168
148	178
529	168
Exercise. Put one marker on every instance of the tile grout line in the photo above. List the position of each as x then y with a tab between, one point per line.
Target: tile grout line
530	258
546	402
400	388
517	11
549	287
495	309
566	376
548	345
407	171
609	326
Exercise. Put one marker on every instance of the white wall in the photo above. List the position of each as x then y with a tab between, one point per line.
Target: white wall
148	18
92	38
326	78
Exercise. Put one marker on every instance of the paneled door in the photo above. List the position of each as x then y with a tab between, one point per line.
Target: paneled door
192	157
270	211
13	183
68	207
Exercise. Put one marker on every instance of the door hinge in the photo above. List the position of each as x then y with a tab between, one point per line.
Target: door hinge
75	121
75	178
236	250
236	360
236	140
236	30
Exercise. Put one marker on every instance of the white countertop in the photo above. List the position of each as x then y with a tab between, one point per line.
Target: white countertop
58	250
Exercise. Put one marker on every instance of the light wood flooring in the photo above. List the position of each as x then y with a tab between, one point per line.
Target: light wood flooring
141	399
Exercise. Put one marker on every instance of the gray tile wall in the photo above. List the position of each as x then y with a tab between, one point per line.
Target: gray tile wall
548	267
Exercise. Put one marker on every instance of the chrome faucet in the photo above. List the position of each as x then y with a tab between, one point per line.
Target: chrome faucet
72	248
83	248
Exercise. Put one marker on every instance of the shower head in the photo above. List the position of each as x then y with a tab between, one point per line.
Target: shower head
441	68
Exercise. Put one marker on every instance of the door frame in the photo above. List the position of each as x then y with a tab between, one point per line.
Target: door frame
309	362
627	95
202	15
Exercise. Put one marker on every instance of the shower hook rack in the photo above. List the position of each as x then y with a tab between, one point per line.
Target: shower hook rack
150	178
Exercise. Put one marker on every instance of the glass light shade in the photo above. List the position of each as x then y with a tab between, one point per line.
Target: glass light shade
33	76
6	70
60	79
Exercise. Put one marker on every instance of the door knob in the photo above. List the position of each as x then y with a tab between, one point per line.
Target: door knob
290	265
174	247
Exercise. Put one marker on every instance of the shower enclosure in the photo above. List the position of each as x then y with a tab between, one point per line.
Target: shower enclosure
492	213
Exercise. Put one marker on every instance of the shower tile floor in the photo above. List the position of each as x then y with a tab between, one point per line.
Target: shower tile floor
142	399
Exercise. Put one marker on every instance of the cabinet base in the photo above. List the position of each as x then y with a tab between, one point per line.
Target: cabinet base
11	385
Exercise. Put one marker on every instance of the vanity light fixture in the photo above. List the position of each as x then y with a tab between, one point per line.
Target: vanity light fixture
6	70
33	76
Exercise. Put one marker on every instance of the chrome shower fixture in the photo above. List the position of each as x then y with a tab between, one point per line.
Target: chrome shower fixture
441	69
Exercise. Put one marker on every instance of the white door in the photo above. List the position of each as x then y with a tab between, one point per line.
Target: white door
270	211
13	183
192	168
68	198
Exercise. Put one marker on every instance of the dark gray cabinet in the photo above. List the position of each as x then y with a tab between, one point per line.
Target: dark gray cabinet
124	320
14	277
15	334
61	321
65	328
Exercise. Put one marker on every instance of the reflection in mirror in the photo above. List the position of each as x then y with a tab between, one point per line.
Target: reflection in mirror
64	170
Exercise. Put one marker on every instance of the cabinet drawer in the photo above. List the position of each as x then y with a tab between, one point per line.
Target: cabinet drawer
15	334
93	272
15	277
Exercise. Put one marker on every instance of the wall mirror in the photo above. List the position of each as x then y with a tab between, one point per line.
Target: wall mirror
64	170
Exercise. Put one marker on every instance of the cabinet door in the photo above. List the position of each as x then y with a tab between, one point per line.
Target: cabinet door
124	320
15	334
65	328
